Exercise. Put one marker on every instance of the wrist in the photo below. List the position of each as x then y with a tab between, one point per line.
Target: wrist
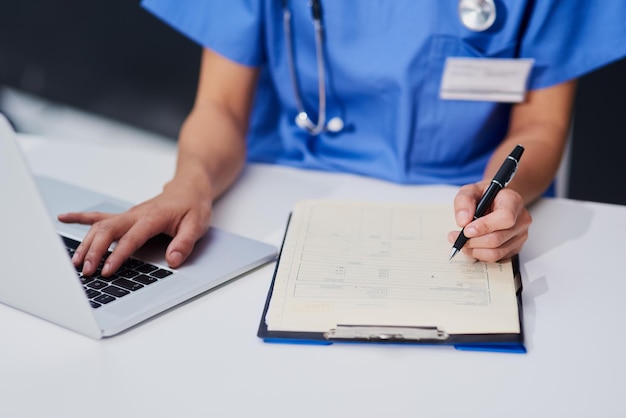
192	177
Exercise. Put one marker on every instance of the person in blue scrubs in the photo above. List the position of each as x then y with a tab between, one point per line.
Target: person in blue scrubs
382	64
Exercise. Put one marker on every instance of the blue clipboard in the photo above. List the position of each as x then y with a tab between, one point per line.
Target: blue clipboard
380	334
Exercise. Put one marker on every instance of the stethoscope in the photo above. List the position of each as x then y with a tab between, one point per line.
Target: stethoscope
302	119
475	15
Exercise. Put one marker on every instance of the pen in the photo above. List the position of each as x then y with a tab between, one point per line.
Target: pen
499	182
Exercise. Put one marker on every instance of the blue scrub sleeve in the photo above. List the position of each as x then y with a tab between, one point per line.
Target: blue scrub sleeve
231	28
568	38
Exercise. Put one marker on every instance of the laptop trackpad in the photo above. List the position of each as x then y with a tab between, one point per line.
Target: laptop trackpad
78	230
107	207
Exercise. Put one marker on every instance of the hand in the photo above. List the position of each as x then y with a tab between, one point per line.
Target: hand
181	212
499	234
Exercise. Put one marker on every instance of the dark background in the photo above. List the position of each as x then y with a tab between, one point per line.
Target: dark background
109	57
115	59
598	148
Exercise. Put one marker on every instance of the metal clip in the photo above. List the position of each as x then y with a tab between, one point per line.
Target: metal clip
385	333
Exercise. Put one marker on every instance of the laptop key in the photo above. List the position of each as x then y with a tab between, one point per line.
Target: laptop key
129	274
142	278
97	284
109	278
160	273
86	279
115	291
94	304
132	263
127	284
91	293
104	299
146	268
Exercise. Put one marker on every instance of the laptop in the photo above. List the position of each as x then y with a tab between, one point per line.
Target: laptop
39	278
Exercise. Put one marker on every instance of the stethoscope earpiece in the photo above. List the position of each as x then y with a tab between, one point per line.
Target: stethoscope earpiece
303	121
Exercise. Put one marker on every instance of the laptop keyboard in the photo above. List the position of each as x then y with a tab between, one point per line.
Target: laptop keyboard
132	276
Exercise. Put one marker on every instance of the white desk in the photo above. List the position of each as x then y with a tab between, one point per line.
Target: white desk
204	359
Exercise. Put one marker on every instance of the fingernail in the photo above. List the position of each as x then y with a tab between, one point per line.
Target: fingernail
470	231
106	268
87	266
463	216
75	257
176	258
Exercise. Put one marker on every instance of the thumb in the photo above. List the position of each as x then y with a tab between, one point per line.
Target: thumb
183	242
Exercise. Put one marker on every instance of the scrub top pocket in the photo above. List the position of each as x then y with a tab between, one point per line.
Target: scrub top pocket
455	135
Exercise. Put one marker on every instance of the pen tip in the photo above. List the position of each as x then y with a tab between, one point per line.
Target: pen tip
453	253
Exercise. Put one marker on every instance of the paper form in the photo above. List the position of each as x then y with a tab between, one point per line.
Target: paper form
385	264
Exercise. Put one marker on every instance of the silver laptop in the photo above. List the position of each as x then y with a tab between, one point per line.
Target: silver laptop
38	277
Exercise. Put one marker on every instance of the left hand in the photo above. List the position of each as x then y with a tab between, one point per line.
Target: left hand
499	234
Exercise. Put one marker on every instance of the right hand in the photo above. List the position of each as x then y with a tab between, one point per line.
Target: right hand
180	211
498	235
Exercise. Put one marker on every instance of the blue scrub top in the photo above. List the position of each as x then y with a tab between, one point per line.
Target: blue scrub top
384	64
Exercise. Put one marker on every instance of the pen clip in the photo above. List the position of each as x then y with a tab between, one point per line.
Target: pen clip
515	157
512	172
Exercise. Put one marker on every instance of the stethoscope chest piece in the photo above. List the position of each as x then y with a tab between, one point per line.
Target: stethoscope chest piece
477	15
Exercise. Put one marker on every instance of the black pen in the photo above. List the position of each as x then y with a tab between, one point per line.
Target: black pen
499	182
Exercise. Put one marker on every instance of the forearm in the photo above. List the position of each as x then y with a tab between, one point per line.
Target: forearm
542	126
539	163
211	149
212	141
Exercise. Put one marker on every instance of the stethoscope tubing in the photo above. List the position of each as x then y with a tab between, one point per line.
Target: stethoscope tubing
302	117
475	15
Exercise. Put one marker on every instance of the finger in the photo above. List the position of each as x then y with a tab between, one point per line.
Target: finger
465	203
190	230
130	241
101	236
452	236
84	218
507	207
79	253
492	240
491	255
498	242
508	200
501	244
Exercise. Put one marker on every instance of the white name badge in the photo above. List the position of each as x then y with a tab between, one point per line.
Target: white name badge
485	79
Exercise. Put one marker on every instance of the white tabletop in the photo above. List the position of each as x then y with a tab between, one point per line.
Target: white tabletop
204	359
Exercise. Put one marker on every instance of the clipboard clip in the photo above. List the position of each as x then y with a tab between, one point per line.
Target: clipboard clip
385	333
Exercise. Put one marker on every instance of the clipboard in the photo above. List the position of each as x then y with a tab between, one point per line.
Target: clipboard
381	333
